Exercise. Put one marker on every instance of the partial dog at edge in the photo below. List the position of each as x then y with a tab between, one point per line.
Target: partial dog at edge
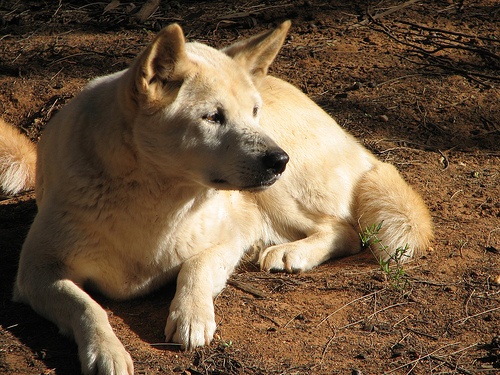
175	167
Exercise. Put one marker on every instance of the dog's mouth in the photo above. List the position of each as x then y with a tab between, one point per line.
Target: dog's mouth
263	184
258	185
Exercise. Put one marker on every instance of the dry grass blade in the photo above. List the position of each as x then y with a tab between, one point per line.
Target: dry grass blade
347	304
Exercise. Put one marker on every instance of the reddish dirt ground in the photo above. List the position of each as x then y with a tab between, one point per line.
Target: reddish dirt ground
416	82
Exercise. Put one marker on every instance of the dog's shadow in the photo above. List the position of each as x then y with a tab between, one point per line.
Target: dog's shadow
19	322
145	317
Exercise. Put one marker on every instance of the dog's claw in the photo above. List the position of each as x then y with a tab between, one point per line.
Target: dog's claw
283	258
190	324
107	357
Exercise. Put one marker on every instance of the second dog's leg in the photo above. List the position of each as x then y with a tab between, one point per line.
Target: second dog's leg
339	240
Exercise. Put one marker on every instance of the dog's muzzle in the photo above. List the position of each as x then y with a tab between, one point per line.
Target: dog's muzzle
275	161
274	164
265	172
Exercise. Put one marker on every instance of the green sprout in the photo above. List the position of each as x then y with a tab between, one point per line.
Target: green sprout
394	273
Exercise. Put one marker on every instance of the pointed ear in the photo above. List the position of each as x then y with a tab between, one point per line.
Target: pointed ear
159	71
258	52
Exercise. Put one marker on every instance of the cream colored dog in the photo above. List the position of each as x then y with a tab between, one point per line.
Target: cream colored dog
174	168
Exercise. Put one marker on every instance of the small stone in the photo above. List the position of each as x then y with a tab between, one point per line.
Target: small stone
356	86
368	327
492	249
397	350
383	118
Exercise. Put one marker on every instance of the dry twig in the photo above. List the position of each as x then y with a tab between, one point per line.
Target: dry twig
463	320
247	288
420	358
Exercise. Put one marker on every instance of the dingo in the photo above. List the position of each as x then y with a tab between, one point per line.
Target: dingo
174	168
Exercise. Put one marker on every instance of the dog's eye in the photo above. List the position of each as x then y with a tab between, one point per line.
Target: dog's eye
255	111
216	117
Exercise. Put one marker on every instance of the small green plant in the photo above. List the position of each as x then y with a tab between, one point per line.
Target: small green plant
227	344
394	273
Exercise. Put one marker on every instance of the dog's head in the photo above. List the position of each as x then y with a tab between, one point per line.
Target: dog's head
196	110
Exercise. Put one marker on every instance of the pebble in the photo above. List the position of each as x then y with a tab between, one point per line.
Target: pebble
450	289
356	86
367	327
383	118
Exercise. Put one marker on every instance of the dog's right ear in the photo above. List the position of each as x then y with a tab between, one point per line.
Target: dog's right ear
158	72
255	54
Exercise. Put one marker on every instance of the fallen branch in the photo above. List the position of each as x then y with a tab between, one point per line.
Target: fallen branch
385	13
443	62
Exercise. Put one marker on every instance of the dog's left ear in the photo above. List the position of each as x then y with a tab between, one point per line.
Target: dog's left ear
258	52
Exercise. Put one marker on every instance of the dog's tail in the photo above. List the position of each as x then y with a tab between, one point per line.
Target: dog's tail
392	214
17	160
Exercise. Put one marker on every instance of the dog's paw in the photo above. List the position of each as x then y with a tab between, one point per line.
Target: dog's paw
284	258
190	323
106	356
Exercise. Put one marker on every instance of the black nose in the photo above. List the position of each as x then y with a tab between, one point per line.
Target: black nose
275	160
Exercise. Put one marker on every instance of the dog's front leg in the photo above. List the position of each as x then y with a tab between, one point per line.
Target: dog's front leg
78	315
336	238
50	288
191	321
